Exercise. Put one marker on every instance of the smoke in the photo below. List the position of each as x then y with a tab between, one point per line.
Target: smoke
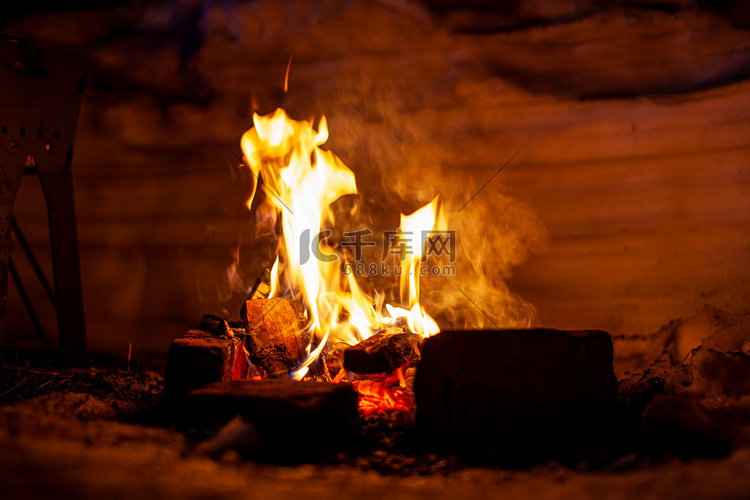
400	169
494	233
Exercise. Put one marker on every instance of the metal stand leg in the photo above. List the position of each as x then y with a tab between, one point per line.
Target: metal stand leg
40	97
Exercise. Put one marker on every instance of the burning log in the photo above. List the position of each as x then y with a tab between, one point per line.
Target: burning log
383	353
262	287
527	390
390	356
213	353
295	420
335	357
215	324
274	336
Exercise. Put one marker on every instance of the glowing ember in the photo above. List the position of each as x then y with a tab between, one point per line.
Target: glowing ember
376	395
300	182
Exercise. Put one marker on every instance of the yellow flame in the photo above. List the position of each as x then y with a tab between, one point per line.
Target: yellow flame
301	181
274	279
414	231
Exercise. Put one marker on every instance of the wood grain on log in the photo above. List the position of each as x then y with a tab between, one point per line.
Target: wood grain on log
274	338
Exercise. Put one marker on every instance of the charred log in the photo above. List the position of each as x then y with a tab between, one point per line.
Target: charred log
383	353
516	391
199	358
295	420
335	357
215	324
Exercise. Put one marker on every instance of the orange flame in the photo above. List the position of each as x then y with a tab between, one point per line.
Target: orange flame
414	231
301	181
286	77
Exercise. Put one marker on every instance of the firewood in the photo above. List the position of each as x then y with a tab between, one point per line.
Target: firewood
294	419
335	356
262	287
199	358
383	353
411	376
274	338
216	325
483	391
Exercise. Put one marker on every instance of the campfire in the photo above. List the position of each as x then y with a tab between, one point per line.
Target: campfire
372	329
310	328
308	317
300	181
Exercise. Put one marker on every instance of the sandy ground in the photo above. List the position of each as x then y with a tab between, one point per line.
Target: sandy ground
70	450
101	432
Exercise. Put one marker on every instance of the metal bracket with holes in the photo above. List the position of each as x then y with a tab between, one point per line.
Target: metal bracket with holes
40	98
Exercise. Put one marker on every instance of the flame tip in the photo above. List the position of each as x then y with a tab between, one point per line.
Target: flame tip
286	78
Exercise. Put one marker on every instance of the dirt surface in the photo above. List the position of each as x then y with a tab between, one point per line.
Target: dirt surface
59	446
100	432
